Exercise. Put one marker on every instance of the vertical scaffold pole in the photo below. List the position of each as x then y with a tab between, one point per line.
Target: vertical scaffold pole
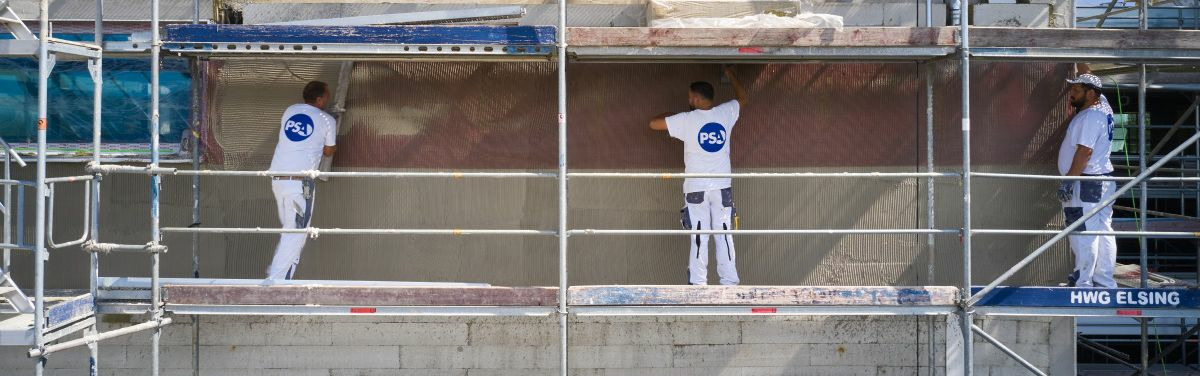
965	70
562	186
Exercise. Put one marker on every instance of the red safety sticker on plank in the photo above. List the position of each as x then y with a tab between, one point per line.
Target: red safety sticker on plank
362	310
750	50
1129	312
762	310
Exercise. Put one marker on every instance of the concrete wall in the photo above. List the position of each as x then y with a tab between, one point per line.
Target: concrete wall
368	346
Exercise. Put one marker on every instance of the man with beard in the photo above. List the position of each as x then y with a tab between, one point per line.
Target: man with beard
1085	152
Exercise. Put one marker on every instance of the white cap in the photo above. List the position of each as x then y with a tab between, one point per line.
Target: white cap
1088	79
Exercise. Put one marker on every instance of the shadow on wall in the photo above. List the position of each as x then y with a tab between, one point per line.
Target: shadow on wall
801	117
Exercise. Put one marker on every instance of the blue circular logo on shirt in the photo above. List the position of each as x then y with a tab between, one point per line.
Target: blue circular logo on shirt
298	127
712	137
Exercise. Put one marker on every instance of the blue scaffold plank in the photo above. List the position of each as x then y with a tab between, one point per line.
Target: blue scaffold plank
403	35
1068	297
70	311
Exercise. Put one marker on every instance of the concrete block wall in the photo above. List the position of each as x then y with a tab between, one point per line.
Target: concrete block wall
1011	15
490	346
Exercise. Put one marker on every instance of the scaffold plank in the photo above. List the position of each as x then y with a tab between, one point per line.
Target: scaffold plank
387	34
1084	38
763	295
780	37
360	295
981	37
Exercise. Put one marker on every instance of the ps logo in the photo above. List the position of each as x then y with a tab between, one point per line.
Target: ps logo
298	127
1110	127
712	137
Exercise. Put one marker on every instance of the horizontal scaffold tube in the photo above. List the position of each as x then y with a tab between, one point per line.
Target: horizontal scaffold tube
70	179
109	247
668	175
28	183
317	174
1060	177
34	353
350	231
1129	234
767	232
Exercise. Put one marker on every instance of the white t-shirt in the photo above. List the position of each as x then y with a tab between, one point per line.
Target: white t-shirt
706	136
1093	128
304	132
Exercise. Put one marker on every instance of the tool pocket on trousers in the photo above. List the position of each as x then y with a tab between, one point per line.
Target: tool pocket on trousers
727	197
694	197
1073	214
1091	190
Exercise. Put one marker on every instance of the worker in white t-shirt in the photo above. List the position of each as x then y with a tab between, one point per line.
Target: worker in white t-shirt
1085	152
706	132
306	135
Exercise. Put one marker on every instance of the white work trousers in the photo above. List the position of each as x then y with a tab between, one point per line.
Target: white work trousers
289	199
1095	256
710	210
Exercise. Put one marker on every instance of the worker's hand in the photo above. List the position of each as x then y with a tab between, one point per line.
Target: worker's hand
1066	190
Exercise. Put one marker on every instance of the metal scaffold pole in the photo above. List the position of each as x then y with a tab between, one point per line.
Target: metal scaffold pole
155	186
96	69
40	255
196	150
930	239
1143	246
563	283
965	320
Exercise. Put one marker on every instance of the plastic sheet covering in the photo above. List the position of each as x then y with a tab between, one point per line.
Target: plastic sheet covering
804	20
667	9
126	101
501	116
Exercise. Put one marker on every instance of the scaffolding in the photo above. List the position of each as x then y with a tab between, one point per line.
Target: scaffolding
961	303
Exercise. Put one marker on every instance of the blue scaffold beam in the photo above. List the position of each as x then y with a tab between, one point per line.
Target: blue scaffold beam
1068	297
395	35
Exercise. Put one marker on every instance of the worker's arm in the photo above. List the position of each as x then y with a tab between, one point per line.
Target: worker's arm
330	137
659	123
1082	154
738	90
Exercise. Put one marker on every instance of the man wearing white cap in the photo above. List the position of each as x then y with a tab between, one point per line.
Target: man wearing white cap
1085	152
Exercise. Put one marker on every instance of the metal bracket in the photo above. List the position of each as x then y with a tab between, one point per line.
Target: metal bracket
51	61
93	66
